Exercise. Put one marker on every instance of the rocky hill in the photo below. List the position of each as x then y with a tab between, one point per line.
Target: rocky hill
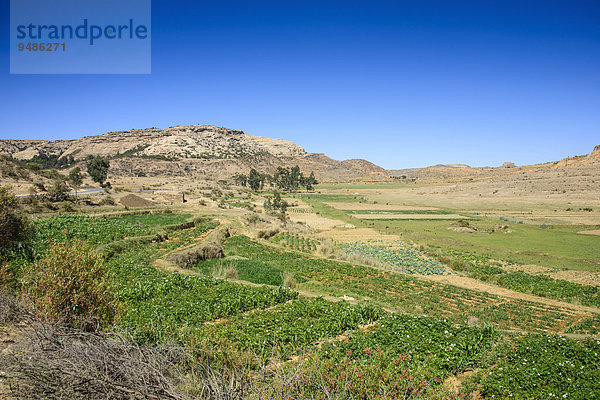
456	173
196	150
588	159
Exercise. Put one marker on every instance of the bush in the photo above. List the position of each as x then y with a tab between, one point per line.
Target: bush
107	201
187	259
223	271
14	225
267	234
70	284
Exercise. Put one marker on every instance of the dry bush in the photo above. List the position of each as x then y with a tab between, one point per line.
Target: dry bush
328	248
267	234
224	271
189	258
289	280
13	309
54	362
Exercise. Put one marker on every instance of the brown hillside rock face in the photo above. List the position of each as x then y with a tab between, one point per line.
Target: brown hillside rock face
588	159
194	150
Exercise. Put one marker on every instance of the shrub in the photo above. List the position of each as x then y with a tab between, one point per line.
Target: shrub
70	284
267	233
107	201
14	225
223	271
289	280
191	257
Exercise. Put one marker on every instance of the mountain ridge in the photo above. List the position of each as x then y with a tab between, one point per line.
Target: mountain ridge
207	150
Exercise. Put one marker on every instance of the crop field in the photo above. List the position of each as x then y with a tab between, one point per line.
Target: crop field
540	285
295	242
557	246
366	318
399	256
404	293
407	216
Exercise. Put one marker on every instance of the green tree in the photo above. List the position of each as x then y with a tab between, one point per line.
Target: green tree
97	168
75	179
240	179
309	181
275	203
255	180
59	191
14	225
295	178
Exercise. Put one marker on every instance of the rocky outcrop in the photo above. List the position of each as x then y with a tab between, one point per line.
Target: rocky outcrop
193	150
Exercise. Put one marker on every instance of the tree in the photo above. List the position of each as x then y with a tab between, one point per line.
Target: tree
309	182
14	225
59	191
240	179
76	179
97	168
295	178
275	203
255	180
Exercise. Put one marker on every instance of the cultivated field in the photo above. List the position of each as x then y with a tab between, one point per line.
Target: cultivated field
380	294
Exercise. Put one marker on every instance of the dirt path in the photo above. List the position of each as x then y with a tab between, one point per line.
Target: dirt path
470	283
474	284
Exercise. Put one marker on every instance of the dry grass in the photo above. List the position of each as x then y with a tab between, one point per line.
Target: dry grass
289	280
590	232
224	271
317	222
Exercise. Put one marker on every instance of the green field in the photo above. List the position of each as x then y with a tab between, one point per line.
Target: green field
401	336
556	246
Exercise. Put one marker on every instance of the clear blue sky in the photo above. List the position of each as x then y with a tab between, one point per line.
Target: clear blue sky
400	83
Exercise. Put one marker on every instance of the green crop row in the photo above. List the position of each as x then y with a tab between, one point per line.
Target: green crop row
288	328
405	293
544	367
433	347
540	285
96	231
295	242
401	257
158	305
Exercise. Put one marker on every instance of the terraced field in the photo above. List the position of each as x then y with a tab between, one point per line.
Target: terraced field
282	310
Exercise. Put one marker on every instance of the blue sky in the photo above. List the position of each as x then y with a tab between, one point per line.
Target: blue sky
400	83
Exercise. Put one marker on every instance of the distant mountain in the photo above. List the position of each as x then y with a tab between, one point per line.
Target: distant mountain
196	150
588	159
462	172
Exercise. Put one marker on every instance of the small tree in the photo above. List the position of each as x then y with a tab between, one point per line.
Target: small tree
255	180
59	191
75	179
97	168
275	203
14	225
240	179
309	182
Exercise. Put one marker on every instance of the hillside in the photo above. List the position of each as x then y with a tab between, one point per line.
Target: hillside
550	173
192	150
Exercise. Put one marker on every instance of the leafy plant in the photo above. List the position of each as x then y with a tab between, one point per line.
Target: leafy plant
71	284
